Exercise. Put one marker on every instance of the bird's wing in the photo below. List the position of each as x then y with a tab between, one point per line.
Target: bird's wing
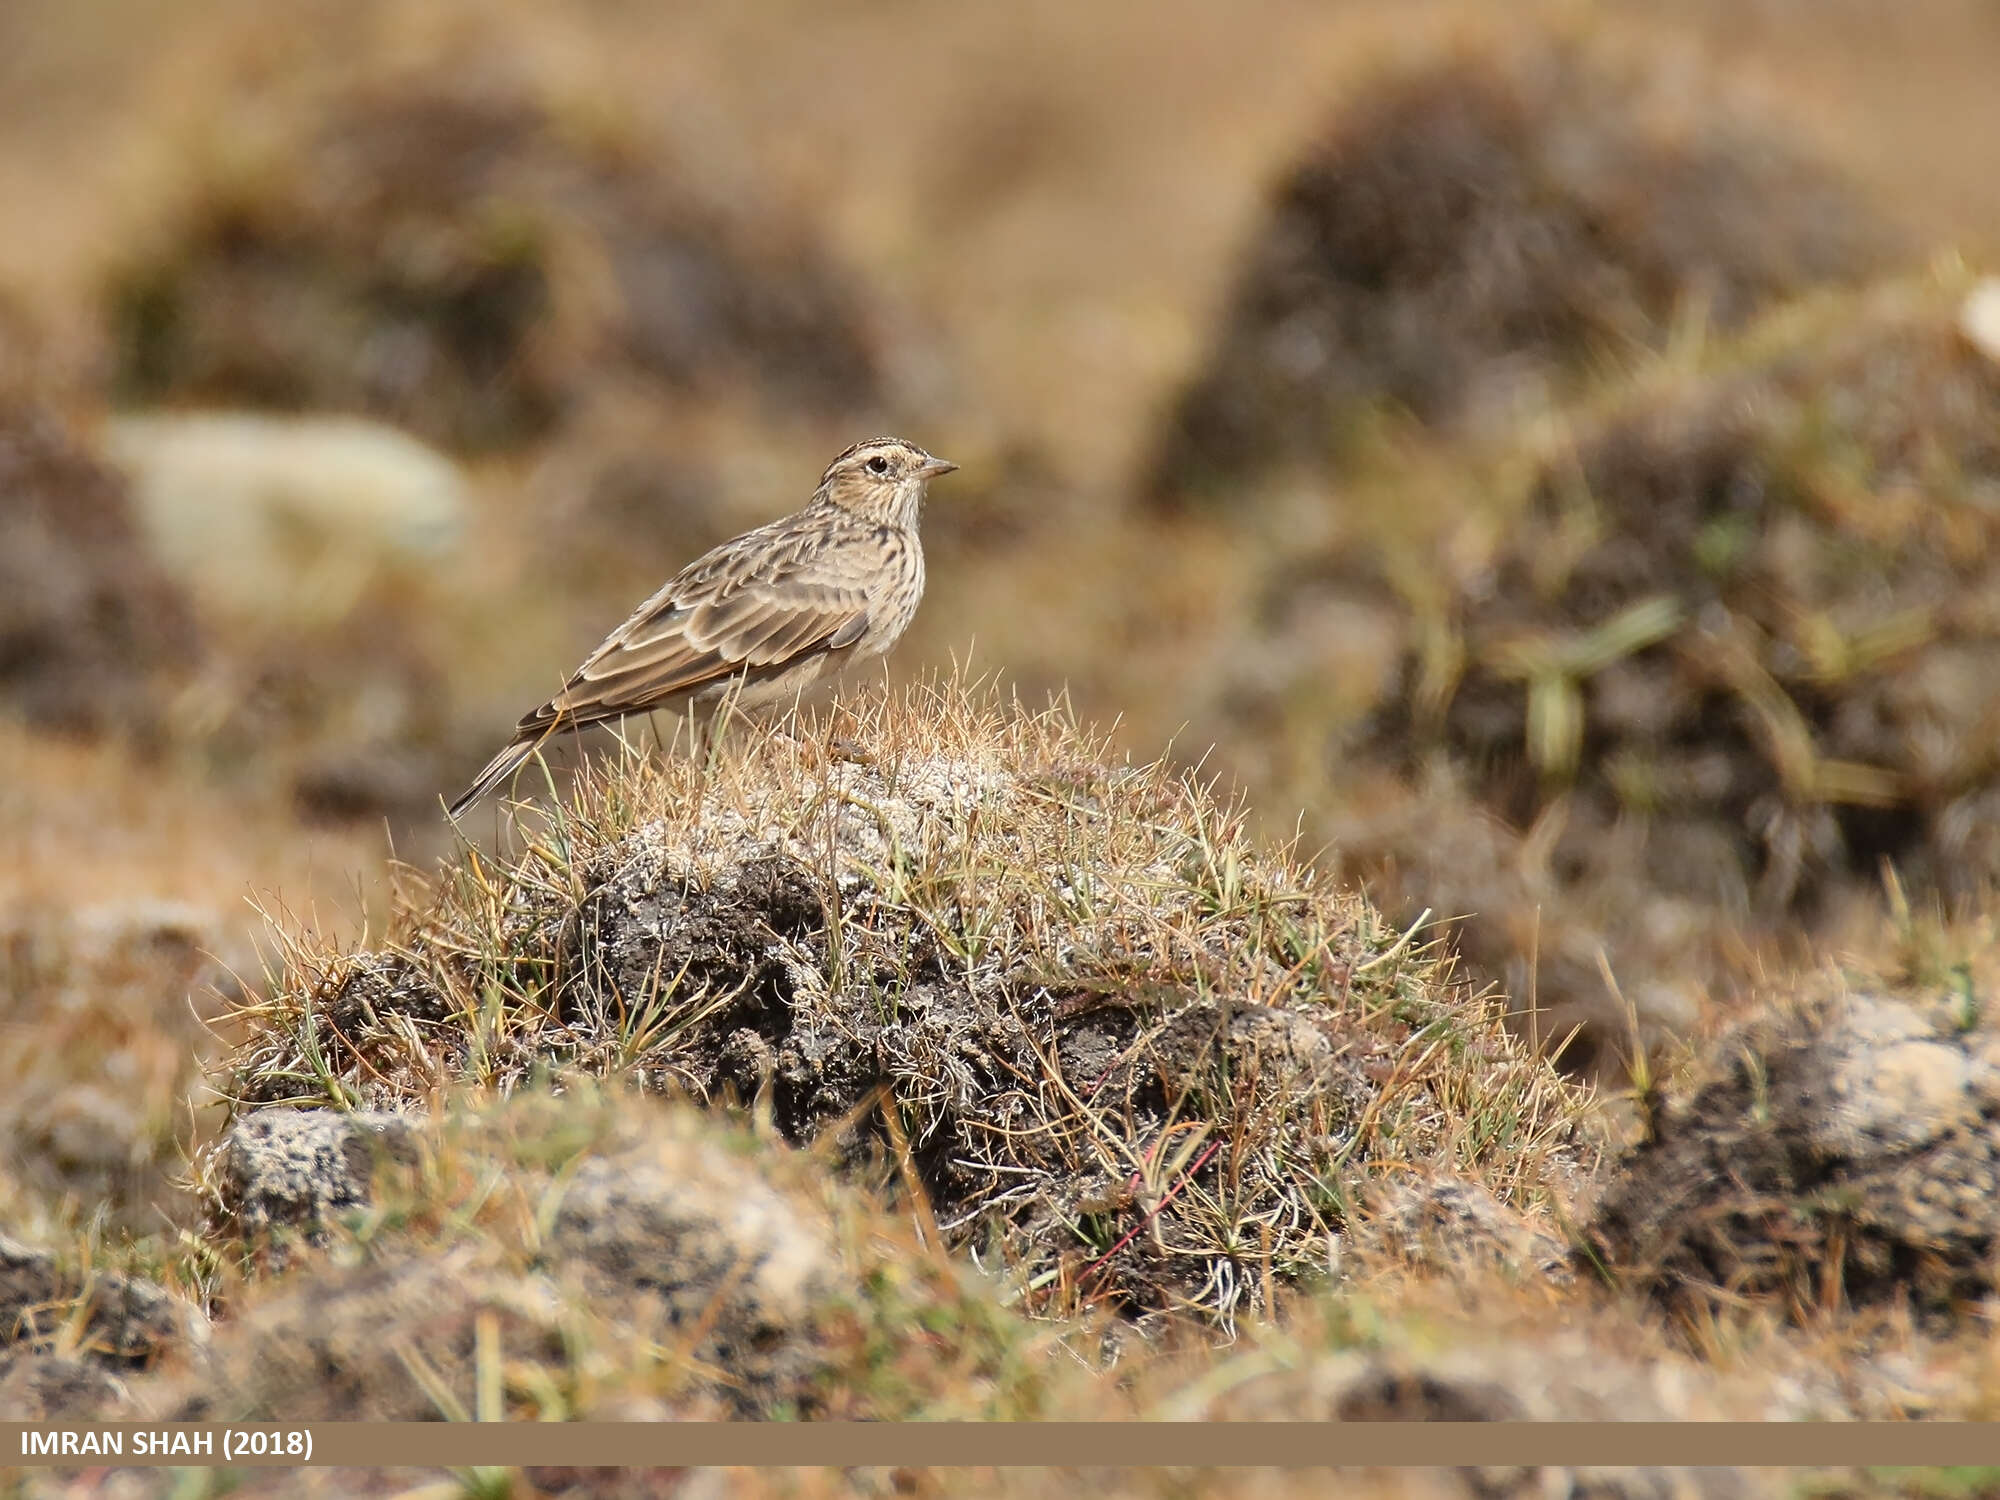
752	607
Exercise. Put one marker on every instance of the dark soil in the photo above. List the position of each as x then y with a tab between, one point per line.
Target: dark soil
115	1322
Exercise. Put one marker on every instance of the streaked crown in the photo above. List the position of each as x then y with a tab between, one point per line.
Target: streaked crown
882	480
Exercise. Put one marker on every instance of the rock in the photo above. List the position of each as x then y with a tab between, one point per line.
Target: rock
298	1169
1979	317
286	518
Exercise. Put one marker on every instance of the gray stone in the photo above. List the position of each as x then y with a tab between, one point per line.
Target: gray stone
283	1168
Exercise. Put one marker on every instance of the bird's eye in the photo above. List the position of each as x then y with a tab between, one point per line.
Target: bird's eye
878	465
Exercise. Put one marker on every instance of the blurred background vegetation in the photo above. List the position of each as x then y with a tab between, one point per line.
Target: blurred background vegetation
1549	457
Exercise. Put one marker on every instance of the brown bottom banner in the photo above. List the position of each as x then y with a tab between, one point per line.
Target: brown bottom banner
1005	1444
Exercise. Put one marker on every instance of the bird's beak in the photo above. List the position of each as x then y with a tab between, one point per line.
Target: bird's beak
932	467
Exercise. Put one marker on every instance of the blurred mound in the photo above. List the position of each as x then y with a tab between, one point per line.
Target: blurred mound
447	249
1101	1034
255	607
1470	235
70	1335
1729	647
1761	602
110	1009
634	1262
321	551
655	1233
92	631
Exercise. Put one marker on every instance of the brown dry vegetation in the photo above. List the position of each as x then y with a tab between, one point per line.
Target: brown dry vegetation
1598	558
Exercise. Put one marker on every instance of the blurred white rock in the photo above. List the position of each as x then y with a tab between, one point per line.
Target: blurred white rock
1979	318
290	517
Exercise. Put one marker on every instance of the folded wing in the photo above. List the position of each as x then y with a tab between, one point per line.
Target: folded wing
712	624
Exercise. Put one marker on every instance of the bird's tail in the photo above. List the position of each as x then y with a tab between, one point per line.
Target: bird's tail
498	769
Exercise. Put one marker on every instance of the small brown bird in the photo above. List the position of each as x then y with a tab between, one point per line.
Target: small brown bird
764	615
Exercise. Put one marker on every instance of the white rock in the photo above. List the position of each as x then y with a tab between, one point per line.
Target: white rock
287	517
1979	318
1893	1083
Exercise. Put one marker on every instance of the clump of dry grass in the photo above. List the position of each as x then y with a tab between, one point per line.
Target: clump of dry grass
586	1255
1491	226
443	242
1104	1041
1753	599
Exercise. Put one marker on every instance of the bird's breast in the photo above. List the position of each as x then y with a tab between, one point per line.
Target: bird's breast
896	596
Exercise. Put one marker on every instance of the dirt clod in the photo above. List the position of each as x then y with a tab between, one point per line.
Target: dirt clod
647	1253
298	1169
120	1322
1842	1151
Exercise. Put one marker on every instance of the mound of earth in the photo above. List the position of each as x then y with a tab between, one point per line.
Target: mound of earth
619	1259
93	635
1472	235
650	1233
444	248
1105	1041
1727	648
1840	1149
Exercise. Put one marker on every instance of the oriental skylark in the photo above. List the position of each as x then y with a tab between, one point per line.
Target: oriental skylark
760	617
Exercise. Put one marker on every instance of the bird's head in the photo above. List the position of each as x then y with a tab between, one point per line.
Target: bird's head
882	481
